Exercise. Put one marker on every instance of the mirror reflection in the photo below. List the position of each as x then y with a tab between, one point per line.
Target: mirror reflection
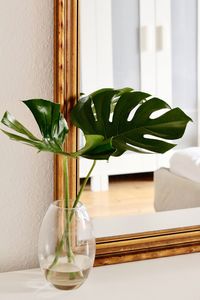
149	45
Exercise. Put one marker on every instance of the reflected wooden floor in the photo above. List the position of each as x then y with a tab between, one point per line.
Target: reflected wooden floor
127	195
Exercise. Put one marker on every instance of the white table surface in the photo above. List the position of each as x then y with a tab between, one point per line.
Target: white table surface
173	278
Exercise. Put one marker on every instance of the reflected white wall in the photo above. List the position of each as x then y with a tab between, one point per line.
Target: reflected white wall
184	62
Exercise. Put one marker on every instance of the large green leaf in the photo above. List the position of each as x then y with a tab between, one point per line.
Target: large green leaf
51	122
106	112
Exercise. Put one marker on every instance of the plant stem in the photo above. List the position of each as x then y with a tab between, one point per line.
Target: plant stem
66	154
82	188
67	234
66	181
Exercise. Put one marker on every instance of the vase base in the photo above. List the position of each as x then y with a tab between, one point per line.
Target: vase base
66	288
68	276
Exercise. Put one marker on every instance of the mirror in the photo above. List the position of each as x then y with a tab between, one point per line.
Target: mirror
148	45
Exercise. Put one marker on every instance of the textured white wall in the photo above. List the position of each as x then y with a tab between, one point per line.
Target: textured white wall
26	63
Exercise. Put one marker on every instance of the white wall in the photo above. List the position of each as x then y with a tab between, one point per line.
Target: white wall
26	63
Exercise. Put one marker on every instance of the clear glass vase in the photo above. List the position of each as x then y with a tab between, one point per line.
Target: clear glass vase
66	246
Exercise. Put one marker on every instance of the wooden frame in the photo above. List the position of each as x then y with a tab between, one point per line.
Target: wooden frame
115	249
66	83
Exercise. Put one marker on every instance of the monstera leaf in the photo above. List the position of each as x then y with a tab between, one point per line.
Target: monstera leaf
52	125
106	115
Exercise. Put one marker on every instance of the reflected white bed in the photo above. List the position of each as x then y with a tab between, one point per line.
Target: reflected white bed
179	186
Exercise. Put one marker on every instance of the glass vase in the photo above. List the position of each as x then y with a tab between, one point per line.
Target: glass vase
66	246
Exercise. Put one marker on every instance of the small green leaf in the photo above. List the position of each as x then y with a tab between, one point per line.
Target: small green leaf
49	119
19	138
10	121
51	122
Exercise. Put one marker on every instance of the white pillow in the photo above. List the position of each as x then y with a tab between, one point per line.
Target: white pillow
186	163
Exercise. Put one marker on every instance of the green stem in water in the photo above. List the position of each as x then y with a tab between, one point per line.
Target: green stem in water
67	226
66	180
67	234
60	245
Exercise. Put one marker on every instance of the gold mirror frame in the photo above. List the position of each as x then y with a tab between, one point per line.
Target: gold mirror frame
115	249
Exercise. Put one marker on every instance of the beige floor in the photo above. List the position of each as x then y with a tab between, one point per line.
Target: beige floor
127	195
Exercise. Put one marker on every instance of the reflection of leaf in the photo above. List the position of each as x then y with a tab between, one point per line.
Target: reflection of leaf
93	115
52	124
